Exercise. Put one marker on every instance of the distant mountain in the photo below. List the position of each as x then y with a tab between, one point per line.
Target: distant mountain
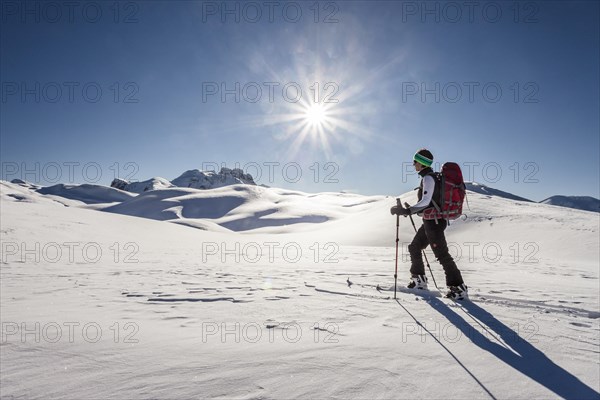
141	187
192	178
586	203
210	180
482	189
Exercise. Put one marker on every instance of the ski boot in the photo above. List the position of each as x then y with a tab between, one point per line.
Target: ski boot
459	292
417	282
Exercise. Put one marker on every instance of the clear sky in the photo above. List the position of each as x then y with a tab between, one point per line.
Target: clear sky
340	92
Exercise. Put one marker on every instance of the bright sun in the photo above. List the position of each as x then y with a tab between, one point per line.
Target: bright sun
315	115
317	122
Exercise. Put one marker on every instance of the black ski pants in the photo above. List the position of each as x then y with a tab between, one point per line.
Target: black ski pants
432	233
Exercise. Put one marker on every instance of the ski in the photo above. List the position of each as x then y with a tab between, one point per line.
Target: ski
417	292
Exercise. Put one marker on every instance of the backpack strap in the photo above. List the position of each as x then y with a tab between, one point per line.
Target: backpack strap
439	185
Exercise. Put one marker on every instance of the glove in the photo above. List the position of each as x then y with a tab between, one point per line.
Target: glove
404	211
398	210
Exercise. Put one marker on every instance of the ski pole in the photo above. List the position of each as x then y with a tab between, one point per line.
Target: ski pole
424	255
397	240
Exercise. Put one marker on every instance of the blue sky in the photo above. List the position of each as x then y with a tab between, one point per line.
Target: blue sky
510	90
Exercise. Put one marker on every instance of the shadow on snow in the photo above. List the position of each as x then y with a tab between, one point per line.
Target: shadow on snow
520	354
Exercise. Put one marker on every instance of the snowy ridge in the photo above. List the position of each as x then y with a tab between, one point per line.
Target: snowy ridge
483	189
156	183
88	194
210	179
193	178
252	208
578	202
585	203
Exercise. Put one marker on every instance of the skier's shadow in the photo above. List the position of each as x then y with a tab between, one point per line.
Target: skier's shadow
523	357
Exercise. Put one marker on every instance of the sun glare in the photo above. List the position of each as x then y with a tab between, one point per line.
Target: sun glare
317	121
315	115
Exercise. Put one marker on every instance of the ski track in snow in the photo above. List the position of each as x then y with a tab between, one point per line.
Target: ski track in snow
188	291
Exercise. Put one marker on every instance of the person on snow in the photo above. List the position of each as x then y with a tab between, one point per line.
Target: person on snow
430	233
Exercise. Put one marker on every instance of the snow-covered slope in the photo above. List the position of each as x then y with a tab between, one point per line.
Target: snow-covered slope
88	194
242	207
587	203
483	189
129	307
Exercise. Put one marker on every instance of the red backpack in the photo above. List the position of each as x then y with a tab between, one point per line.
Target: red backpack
448	199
